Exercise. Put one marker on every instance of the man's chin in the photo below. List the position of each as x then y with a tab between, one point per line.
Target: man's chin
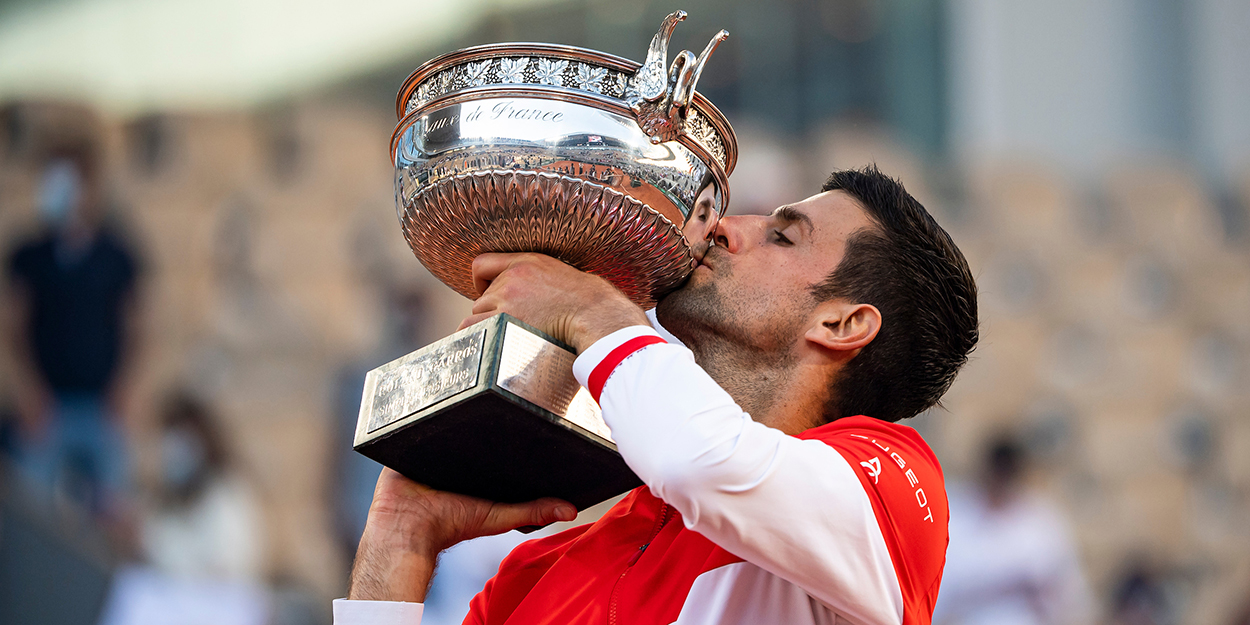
696	304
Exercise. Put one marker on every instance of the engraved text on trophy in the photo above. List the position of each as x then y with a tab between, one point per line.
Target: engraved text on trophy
426	377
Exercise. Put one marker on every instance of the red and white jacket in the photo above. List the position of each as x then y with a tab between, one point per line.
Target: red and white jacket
738	523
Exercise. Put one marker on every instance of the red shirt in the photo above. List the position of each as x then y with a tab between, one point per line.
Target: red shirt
644	562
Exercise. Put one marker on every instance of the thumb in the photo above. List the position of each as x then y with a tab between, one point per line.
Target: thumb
507	516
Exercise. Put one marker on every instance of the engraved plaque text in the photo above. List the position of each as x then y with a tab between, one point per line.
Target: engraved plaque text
426	377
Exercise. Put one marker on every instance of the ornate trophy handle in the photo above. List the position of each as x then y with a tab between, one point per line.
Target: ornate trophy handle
660	101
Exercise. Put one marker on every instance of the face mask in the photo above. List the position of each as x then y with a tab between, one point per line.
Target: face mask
59	192
183	458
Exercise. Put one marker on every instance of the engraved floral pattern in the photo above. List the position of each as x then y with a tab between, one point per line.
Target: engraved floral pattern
611	86
583	76
589	77
519	70
551	72
703	132
513	70
423	93
475	73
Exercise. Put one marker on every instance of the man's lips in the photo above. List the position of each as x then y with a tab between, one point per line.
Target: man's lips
706	261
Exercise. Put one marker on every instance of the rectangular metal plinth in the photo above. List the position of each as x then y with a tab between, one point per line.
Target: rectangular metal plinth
492	411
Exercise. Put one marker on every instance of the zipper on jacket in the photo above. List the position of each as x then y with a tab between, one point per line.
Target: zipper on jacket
659	525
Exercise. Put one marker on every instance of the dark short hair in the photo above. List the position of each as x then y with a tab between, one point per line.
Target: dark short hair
911	270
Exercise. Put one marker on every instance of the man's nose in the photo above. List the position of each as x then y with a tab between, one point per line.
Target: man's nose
729	232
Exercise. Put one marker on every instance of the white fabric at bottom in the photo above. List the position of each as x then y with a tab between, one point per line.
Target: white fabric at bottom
376	612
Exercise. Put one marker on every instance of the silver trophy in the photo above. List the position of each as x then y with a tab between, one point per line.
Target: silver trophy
524	147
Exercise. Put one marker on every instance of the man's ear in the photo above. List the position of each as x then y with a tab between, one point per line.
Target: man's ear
844	327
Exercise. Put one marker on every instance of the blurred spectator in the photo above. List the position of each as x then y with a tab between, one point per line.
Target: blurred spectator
202	535
73	299
1011	559
205	521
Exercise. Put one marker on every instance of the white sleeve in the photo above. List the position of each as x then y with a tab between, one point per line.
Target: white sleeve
377	612
793	507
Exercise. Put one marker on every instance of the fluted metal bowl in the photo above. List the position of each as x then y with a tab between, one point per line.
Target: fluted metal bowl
591	158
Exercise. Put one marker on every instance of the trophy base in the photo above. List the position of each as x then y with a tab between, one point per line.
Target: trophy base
492	411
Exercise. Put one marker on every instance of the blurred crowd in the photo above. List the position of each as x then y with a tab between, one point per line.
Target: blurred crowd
191	539
191	302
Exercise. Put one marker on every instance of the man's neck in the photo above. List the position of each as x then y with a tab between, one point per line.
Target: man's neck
770	390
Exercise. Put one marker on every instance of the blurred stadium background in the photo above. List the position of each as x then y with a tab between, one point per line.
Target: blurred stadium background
1091	158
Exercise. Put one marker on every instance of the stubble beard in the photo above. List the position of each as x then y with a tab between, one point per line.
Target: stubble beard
749	364
702	315
692	313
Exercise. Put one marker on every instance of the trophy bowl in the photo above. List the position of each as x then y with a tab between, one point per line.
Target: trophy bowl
619	169
588	157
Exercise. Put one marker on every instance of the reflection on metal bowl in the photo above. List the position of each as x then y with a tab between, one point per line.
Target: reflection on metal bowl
585	156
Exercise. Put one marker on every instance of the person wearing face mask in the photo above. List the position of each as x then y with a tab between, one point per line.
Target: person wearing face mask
200	534
72	306
204	521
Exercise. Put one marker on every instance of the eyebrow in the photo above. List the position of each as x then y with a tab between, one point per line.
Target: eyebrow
790	215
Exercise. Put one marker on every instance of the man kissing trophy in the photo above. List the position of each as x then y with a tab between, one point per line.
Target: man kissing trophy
618	169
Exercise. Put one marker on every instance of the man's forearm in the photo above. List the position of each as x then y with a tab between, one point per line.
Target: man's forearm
384	574
400	544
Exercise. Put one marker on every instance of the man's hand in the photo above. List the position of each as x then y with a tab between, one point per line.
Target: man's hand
570	305
409	524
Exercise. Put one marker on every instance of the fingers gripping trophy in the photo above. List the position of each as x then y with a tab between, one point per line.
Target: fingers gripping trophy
616	168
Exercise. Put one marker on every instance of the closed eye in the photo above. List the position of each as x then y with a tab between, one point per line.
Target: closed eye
787	215
781	238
